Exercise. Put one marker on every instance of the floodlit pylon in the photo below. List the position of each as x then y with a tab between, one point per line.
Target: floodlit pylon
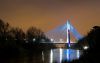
61	31
68	33
71	29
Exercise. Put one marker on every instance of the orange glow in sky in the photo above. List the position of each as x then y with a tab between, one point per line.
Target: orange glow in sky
48	14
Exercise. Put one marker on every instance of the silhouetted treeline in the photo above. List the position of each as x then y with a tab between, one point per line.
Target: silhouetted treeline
92	40
17	45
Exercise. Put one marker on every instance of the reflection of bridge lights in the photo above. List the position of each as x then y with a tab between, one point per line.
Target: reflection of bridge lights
60	54
85	47
68	54
78	54
51	56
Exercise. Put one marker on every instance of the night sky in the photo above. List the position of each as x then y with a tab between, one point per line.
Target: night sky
48	14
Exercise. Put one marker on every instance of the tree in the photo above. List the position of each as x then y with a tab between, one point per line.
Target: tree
93	53
16	44
35	35
11	41
17	34
4	29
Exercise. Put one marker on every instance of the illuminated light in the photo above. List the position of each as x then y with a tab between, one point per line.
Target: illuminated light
60	50
51	56
63	30
34	39
52	40
85	47
61	40
78	54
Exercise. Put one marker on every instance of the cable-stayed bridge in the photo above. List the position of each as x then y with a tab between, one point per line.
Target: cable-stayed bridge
61	44
61	35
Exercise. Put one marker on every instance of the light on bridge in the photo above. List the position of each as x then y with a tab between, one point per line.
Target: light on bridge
34	39
61	40
85	47
52	40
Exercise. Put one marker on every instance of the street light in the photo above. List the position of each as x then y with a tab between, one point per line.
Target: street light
61	40
34	39
52	40
85	47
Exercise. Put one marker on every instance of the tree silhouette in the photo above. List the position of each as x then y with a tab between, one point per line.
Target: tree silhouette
4	29
17	34
11	40
34	34
93	53
15	44
35	37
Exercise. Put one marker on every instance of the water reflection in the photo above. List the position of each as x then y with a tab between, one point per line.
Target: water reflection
42	56
59	55
51	56
46	56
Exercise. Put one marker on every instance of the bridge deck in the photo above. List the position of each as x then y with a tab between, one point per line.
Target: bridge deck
57	45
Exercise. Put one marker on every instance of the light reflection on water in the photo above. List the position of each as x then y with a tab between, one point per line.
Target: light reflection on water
59	55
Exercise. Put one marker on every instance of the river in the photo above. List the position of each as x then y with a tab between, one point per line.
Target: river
60	55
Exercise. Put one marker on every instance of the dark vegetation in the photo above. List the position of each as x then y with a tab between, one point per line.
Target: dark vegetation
92	54
17	45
